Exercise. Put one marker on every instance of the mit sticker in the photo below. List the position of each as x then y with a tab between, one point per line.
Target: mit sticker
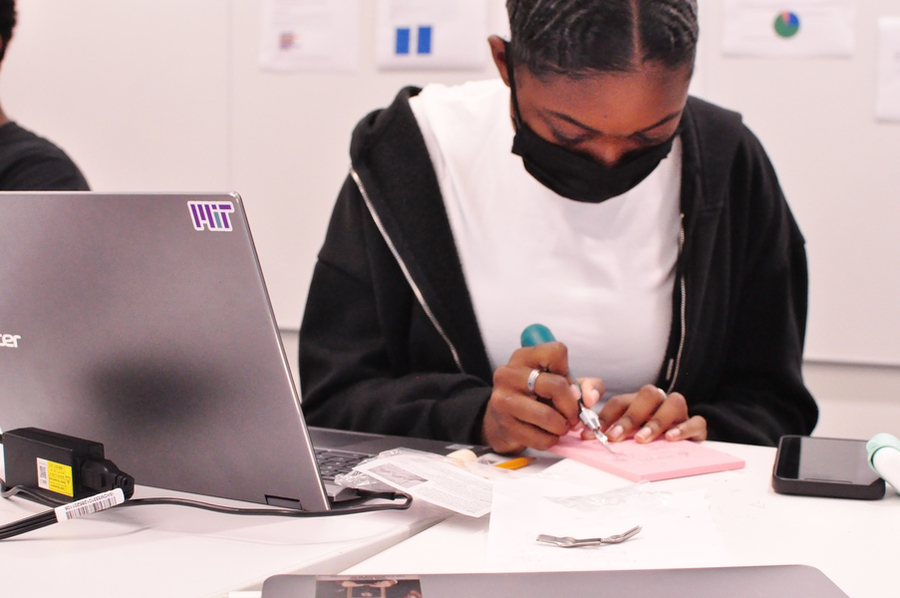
211	215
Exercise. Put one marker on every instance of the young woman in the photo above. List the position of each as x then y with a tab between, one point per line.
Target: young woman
583	190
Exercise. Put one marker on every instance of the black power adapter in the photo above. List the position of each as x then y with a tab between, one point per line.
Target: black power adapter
59	467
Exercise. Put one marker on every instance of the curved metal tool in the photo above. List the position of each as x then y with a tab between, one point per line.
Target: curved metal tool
570	542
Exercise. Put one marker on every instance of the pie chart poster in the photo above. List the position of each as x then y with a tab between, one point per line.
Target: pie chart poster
805	28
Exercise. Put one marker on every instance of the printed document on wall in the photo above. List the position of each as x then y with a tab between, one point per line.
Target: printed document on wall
888	99
432	34
800	28
310	35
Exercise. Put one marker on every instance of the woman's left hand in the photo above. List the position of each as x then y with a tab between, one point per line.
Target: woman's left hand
649	413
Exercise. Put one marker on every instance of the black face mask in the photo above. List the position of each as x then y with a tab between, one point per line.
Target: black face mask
574	175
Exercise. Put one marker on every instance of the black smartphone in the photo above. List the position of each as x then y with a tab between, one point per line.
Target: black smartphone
830	467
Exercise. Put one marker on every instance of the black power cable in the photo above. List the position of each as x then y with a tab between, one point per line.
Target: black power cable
104	501
79	508
359	505
28	524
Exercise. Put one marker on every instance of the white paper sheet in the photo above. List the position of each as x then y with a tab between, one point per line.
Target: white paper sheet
310	35
432	34
432	479
677	528
888	97
789	27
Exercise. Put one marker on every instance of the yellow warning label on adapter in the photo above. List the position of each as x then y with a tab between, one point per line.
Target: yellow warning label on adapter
55	477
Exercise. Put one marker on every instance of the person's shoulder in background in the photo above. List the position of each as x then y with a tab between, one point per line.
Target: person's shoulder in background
31	163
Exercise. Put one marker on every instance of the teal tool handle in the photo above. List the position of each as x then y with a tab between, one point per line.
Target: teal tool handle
536	334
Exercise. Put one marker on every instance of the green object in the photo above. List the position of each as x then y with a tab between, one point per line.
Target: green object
787	24
536	334
878	442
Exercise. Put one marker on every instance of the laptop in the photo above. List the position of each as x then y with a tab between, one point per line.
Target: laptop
142	321
774	581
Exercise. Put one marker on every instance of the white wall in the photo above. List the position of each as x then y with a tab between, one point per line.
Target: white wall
136	92
290	147
855	401
168	96
838	168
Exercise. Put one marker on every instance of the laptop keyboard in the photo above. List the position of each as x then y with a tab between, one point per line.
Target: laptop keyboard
333	462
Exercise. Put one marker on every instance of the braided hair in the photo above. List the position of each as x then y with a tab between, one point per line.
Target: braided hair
579	37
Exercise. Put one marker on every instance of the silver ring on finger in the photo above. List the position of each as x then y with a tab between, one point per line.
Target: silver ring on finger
532	378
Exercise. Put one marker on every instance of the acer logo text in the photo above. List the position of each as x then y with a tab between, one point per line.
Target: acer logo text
10	340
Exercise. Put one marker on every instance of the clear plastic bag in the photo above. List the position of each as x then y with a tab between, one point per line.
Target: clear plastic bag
362	481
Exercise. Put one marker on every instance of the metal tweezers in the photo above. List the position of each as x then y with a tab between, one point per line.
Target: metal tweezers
570	542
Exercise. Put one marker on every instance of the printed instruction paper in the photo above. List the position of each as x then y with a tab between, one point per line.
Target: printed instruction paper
798	28
888	96
310	35
432	34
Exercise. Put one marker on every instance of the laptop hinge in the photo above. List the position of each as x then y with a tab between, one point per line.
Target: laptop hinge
286	503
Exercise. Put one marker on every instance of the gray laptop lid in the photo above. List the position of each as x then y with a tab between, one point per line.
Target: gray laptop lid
142	322
777	581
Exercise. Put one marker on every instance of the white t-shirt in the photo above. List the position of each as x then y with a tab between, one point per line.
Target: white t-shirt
600	276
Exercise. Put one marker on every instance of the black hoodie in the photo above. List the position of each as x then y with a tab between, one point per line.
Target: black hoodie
390	343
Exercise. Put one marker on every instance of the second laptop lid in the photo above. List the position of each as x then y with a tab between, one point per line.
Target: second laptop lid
779	581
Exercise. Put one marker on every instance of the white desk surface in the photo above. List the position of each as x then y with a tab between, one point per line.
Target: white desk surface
172	551
853	542
175	551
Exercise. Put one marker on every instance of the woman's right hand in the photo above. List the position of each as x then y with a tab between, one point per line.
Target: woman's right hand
516	418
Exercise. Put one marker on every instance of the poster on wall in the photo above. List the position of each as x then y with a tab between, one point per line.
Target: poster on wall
432	34
310	35
888	96
798	28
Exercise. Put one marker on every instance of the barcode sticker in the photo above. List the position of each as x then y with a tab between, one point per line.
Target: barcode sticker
43	476
91	504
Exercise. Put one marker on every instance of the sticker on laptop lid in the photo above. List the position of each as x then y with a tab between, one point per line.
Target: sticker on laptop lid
377	586
212	215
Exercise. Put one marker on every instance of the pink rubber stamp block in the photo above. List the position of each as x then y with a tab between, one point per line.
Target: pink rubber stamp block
658	460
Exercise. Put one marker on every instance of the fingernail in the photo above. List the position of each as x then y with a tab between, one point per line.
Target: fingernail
595	394
576	391
673	434
644	434
616	432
